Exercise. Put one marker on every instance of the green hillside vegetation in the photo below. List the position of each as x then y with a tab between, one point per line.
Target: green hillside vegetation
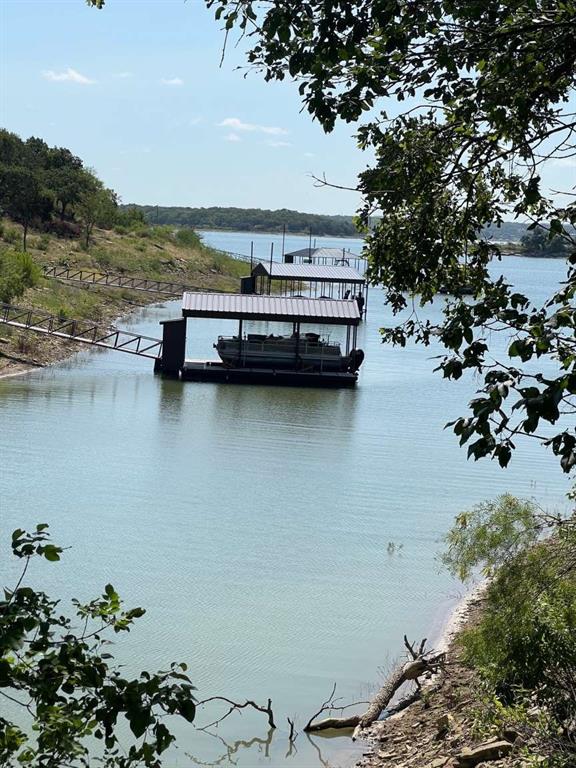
67	217
248	220
152	252
261	220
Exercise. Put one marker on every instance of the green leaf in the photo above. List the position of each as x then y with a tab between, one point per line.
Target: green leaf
51	552
139	720
187	708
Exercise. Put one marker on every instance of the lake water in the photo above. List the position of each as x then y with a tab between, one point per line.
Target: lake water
264	244
253	523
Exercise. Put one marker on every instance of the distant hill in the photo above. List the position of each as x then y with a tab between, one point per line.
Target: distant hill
249	220
262	220
508	232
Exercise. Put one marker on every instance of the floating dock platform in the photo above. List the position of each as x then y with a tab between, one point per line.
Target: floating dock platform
215	371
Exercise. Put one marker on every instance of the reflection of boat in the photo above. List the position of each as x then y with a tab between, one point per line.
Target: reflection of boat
306	352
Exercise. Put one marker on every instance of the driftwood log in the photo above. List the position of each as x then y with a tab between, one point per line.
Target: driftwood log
420	662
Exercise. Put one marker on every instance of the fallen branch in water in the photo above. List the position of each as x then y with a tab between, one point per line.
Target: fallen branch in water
328	706
236	707
420	662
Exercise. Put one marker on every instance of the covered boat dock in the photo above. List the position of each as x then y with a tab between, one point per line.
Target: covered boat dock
307	280
245	308
326	257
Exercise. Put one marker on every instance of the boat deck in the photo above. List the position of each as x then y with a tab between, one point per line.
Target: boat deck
215	371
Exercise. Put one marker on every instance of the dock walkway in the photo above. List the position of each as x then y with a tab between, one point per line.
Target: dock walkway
82	331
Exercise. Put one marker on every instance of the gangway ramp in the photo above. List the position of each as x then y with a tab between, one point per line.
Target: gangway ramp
93	277
80	276
82	331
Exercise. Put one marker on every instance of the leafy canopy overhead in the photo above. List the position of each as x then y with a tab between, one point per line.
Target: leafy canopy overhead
486	87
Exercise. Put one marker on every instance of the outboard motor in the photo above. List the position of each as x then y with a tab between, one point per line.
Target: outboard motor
356	360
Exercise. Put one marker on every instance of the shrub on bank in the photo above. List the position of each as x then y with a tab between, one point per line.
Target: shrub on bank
17	272
64	229
11	236
189	238
524	646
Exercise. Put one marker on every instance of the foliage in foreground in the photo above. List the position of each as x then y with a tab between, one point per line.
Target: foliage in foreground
484	91
59	674
524	645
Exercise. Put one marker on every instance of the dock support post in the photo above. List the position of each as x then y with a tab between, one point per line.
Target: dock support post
297	348
240	344
173	347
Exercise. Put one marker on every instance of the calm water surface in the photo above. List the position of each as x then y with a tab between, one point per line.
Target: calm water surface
252	522
265	243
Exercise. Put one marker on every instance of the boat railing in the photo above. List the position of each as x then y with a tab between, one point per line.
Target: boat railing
318	348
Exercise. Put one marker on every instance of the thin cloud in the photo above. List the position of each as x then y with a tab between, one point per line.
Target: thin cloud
272	143
236	124
68	76
309	154
172	81
123	75
195	121
232	137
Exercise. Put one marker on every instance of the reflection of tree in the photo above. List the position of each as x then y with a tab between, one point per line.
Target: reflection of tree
292	735
321	759
291	750
232	749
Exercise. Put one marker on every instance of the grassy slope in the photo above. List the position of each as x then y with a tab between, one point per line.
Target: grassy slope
147	252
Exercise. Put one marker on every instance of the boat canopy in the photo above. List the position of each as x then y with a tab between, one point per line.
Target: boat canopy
274	308
308	272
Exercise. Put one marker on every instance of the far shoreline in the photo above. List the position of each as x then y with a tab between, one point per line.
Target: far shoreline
277	232
509	247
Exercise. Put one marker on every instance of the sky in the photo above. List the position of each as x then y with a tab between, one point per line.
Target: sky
137	91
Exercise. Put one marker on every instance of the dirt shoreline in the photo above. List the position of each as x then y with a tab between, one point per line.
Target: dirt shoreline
18	369
437	731
52	350
458	616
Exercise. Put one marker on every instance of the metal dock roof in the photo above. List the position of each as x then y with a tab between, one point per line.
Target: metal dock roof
278	308
308	272
321	253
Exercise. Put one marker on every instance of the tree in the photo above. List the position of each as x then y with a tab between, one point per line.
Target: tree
36	153
60	674
485	86
22	196
66	177
544	243
96	206
11	148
